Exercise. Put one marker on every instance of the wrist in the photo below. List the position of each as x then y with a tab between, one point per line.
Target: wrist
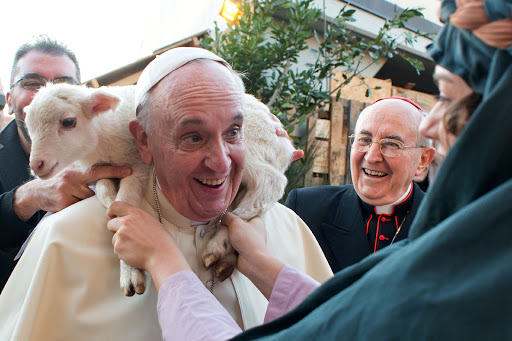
165	263
23	202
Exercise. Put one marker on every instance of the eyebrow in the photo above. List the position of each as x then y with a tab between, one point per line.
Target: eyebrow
197	121
392	137
31	75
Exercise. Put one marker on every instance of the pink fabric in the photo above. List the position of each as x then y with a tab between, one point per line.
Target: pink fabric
290	289
188	311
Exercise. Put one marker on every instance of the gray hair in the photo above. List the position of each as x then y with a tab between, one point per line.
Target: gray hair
46	45
147	102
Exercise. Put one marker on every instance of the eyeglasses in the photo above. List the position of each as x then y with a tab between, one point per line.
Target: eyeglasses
388	147
34	82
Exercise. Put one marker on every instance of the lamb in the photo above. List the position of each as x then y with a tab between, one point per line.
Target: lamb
73	124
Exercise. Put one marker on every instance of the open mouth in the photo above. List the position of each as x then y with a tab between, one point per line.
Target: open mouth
212	183
374	173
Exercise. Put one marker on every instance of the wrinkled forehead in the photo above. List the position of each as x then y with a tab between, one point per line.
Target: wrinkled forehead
390	119
197	87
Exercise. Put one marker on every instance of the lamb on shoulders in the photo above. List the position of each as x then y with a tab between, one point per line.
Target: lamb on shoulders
85	126
72	124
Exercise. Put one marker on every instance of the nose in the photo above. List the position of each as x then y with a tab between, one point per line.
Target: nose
218	158
373	154
429	127
37	167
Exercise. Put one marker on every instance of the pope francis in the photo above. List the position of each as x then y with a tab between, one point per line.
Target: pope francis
189	120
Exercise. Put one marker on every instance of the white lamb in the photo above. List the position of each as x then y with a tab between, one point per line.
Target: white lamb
73	124
85	126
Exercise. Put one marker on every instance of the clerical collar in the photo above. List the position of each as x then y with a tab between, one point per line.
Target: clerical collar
388	209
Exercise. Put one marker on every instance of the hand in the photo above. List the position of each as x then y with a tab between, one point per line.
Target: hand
297	154
249	239
142	242
64	189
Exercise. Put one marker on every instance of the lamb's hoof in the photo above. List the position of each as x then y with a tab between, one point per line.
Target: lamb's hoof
129	291
210	259
133	281
224	270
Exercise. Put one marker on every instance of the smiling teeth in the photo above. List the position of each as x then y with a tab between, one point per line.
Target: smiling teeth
375	173
211	182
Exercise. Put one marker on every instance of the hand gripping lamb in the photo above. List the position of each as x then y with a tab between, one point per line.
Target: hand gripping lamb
74	124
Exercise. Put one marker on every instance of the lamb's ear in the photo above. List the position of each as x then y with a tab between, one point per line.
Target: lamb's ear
100	102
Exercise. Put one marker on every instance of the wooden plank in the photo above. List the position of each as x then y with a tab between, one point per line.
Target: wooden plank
94	83
356	89
308	180
338	146
426	101
355	109
322	129
130	80
321	163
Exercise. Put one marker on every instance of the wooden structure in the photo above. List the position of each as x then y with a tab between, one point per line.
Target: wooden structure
328	134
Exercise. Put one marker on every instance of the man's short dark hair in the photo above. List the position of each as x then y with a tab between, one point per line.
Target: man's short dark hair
44	44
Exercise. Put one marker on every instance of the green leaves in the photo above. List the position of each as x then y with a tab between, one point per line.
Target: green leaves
271	36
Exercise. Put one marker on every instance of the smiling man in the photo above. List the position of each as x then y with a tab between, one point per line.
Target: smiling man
189	127
353	221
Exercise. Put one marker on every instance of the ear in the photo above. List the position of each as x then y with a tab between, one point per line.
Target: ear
100	102
141	137
8	100
427	155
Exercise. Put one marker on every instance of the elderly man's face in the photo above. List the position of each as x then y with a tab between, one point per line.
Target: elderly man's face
451	88
197	145
379	179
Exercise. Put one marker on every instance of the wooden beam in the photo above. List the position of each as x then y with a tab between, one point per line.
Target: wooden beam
308	180
337	144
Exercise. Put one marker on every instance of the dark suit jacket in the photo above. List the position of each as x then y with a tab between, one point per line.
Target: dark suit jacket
14	163
334	215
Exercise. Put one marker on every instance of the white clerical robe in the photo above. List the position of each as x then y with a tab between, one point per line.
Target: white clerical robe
66	284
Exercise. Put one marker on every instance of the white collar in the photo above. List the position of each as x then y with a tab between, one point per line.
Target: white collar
388	209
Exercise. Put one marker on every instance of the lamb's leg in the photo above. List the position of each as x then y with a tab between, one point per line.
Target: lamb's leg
106	190
132	280
218	252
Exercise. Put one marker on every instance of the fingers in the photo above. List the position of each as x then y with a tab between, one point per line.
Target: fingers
82	192
106	172
298	154
230	220
281	132
119	209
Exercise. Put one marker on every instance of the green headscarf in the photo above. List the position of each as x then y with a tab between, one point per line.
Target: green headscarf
452	278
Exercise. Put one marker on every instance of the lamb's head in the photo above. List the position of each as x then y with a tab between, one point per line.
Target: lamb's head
61	124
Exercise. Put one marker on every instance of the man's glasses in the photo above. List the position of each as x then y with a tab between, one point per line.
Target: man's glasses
34	82
388	147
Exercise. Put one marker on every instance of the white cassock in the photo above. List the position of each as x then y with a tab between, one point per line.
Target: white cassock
66	284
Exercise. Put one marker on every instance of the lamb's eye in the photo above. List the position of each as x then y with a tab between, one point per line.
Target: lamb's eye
68	123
